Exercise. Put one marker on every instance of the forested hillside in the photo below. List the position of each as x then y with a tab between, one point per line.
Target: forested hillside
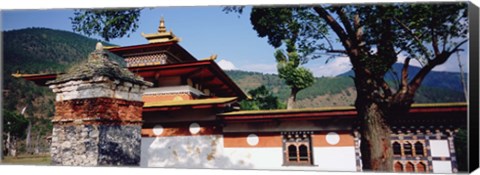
340	90
38	50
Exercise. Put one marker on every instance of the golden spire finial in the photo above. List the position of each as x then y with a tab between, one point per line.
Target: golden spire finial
162	35
162	28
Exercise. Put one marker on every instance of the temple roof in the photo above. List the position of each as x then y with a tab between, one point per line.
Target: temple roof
207	72
98	64
39	79
336	112
198	103
144	49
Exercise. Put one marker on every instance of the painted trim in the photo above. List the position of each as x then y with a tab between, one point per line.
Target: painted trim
239	140
346	139
181	129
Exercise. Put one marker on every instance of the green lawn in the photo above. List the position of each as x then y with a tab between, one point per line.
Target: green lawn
27	160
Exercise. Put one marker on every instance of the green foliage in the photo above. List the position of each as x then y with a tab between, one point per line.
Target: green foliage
300	25
461	149
261	99
296	77
14	123
108	24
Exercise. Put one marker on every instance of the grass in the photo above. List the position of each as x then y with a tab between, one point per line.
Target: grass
27	160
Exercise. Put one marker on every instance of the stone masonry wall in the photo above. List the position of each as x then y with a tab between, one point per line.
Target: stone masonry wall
97	131
91	145
98	114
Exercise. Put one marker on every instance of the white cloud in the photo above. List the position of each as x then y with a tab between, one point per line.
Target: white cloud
335	67
264	68
413	62
226	65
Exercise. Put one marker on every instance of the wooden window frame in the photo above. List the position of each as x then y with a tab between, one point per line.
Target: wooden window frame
297	139
400	149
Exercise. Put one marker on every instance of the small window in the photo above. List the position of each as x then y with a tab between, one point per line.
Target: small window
409	167
397	150
421	168
419	149
292	153
303	152
407	149
297	149
398	167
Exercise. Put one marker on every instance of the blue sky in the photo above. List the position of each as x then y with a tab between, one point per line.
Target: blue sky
203	31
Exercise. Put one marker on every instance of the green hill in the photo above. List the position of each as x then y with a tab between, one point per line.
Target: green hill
340	90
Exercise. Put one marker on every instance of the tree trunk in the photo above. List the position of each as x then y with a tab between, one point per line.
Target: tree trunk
373	112
27	140
8	145
292	98
377	153
462	78
37	143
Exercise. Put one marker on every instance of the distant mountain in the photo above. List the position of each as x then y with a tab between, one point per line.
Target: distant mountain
435	79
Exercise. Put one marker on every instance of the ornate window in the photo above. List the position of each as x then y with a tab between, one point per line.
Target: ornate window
297	148
421	168
398	167
419	149
409	167
407	149
292	153
397	148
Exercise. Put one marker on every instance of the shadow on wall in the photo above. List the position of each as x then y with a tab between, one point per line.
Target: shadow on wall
113	153
187	152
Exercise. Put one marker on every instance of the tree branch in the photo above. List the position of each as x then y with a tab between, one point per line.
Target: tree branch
386	88
404	81
337	51
409	31
358	28
410	44
335	26
435	42
328	40
346	23
440	59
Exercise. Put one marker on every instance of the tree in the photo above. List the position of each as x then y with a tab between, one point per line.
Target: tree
261	98
461	149
373	37
107	24
14	128
296	77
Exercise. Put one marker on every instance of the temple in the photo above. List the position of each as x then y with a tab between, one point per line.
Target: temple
191	119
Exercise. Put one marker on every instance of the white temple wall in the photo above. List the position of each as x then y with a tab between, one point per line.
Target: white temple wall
237	152
184	152
442	166
439	148
335	158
